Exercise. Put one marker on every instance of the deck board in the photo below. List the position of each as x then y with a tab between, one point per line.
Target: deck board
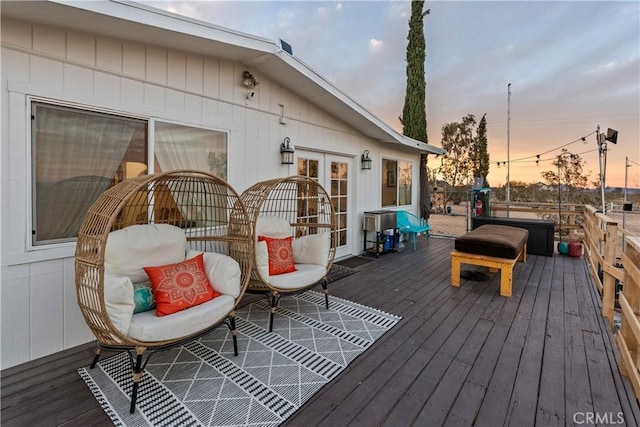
550	409
459	356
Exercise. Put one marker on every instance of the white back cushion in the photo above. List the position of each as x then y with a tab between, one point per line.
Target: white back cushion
312	249
118	298
145	245
272	226
223	272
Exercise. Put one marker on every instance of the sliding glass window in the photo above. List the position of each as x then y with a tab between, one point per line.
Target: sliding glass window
77	154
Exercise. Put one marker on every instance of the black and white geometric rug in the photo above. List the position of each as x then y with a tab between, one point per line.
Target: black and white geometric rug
203	384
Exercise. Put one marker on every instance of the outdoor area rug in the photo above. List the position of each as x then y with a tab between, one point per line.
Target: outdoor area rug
203	384
337	272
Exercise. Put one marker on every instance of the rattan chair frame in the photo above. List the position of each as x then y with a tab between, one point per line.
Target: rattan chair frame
306	205
214	219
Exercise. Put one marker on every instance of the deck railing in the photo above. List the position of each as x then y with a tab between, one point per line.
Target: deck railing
629	335
602	243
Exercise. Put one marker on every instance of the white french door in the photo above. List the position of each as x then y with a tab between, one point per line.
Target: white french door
334	172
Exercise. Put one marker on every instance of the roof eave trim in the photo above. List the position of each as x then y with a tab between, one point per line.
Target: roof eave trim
338	94
419	145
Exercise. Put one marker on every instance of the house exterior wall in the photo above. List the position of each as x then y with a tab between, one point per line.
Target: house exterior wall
38	310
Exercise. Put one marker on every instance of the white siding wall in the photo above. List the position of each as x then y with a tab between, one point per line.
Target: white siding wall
38	308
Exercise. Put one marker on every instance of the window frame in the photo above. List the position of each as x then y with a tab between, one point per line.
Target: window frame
67	244
385	183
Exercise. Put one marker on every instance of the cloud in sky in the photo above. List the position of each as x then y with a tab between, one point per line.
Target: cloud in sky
572	65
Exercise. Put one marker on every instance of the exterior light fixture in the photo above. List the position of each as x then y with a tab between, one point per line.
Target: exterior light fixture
366	161
286	152
249	82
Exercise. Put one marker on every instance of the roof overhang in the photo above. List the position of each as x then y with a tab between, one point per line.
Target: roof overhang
138	22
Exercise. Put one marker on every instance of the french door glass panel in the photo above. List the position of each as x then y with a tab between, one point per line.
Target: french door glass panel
339	198
333	173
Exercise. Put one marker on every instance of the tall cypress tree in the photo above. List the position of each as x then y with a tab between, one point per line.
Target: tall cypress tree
414	115
481	155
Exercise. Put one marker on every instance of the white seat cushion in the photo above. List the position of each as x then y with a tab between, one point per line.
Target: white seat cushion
131	249
148	327
305	275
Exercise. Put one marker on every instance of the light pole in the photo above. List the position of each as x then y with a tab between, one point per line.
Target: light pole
624	206
626	170
601	143
508	143
612	137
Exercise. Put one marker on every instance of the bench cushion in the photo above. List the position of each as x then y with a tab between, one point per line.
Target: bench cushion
499	241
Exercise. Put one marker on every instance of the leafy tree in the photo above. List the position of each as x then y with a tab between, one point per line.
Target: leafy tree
571	181
414	116
480	156
570	177
458	140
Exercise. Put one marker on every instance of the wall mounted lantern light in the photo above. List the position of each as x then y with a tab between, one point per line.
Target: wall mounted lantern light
249	82
286	151
366	161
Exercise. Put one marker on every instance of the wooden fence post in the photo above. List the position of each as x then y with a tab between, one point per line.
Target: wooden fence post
609	282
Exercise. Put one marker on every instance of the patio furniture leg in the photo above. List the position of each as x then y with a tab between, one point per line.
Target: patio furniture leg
455	271
503	265
95	358
234	332
274	303
137	375
326	293
506	280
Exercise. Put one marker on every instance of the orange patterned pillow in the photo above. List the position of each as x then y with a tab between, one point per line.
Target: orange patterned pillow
179	286
280	255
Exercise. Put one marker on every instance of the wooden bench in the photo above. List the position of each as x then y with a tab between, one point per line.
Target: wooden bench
498	247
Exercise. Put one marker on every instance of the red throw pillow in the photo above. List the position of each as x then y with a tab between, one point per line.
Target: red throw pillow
280	255
179	286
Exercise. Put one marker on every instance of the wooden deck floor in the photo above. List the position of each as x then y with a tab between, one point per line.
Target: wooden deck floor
460	356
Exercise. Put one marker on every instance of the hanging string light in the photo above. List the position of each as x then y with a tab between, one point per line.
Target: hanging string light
537	156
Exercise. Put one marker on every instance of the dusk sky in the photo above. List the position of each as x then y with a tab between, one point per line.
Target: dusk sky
572	65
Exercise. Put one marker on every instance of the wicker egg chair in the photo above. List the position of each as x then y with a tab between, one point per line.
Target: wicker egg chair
199	205
305	208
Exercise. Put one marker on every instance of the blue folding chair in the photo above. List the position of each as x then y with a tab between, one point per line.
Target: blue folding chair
408	223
